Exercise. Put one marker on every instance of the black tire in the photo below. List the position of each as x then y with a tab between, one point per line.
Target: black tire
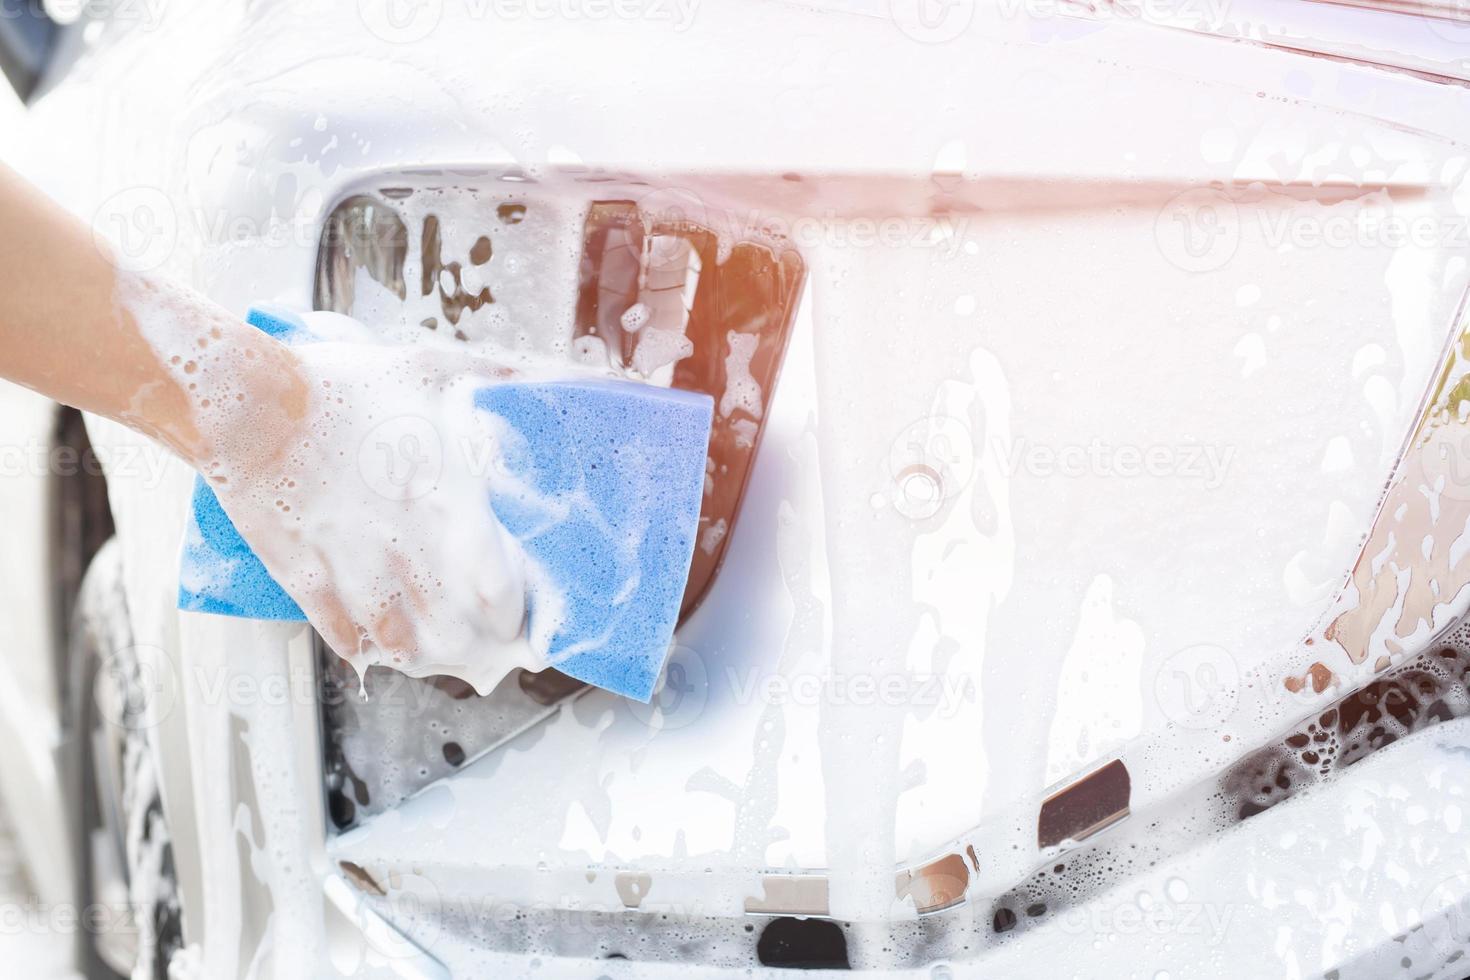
124	861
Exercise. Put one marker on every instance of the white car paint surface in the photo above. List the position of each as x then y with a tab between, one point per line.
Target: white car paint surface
31	944
1052	323
10	110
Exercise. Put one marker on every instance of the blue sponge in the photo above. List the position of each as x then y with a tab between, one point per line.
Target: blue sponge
220	574
613	474
601	484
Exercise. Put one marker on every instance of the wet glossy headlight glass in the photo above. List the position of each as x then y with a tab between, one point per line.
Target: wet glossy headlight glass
620	277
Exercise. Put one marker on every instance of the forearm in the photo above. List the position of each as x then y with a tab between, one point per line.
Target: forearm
280	432
78	329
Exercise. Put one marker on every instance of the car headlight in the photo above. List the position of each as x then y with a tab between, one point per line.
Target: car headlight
635	280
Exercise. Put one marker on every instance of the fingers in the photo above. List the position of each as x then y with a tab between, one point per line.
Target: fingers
392	628
393	632
337	626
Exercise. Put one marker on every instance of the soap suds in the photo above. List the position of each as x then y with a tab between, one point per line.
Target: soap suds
1013	624
1410	581
366	557
1099	700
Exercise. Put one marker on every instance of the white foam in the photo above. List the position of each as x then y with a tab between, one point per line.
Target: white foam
348	505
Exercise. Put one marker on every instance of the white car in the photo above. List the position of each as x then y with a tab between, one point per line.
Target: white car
1079	579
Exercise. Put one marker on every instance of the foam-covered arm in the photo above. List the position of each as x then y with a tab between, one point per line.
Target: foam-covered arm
278	434
68	332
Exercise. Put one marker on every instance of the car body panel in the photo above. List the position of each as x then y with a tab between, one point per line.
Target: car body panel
1034	130
30	708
